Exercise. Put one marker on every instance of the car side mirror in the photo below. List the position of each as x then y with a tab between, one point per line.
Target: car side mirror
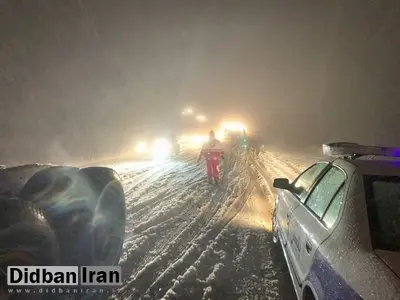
282	183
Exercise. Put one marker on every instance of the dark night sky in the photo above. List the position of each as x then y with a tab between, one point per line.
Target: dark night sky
79	78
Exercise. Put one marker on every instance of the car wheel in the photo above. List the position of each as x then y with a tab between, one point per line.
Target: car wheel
86	208
26	238
48	181
107	228
308	294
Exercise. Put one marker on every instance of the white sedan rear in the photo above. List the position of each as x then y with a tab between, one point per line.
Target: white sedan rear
339	227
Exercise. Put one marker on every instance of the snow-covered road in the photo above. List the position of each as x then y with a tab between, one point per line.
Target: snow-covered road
187	240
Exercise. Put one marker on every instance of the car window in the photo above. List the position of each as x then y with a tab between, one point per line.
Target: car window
383	207
334	208
325	190
302	184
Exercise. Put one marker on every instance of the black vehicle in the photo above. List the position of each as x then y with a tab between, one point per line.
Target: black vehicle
57	215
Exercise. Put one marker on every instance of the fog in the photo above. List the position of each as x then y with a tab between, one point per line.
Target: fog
79	79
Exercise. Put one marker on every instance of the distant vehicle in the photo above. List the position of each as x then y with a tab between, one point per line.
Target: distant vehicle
338	224
158	148
232	135
232	131
60	215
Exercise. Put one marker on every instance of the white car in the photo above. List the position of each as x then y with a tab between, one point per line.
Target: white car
339	225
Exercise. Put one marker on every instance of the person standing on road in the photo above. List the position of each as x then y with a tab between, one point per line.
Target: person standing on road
212	151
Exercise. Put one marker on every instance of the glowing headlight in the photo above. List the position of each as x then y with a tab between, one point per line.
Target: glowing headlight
198	139
220	134
234	126
201	118
141	147
161	149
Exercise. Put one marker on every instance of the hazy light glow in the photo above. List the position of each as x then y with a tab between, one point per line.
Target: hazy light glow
197	139
201	118
193	140
187	111
141	147
161	149
131	166
234	126
220	134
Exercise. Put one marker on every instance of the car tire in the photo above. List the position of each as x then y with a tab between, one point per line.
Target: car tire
107	230
71	199
308	293
48	189
26	238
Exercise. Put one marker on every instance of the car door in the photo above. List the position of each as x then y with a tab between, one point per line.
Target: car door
308	228
287	200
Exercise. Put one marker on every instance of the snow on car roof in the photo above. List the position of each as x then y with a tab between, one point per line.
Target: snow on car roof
354	150
377	165
367	159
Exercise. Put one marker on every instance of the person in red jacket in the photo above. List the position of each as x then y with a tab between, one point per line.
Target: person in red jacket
212	151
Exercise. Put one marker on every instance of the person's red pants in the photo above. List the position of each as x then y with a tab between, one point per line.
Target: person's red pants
212	168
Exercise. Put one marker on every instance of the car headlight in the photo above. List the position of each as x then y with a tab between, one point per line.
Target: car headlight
161	148
141	147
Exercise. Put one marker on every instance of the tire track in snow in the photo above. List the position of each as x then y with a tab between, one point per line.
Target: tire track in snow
175	180
177	193
269	167
156	193
266	168
197	252
162	179
149	243
197	249
145	276
190	284
147	179
262	176
279	166
222	215
238	264
132	179
169	210
213	222
141	246
139	283
290	168
140	242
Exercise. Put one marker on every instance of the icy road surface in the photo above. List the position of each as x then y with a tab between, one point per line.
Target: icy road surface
186	239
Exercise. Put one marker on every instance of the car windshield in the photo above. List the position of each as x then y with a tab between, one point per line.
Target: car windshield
383	206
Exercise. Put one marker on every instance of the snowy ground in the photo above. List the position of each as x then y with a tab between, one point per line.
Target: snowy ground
187	240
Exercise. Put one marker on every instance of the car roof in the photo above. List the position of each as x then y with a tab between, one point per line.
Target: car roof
372	165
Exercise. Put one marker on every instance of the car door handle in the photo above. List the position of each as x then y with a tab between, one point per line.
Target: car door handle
308	247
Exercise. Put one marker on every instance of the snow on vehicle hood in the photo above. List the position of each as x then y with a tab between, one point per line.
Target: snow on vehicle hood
391	259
